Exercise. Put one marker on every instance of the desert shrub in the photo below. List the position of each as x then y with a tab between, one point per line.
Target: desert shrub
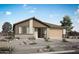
24	42
46	39
8	49
78	37
47	47
64	40
3	40
9	38
31	38
75	47
17	38
33	43
11	49
51	49
4	49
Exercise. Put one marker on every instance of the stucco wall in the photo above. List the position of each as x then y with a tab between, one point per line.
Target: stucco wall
54	33
38	24
24	36
51	32
16	29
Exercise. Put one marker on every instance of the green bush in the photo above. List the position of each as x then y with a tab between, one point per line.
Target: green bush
17	38
33	43
3	40
9	38
24	42
47	47
64	40
46	39
4	49
9	49
51	49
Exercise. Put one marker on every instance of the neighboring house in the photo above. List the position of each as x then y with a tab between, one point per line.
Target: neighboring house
73	35
38	29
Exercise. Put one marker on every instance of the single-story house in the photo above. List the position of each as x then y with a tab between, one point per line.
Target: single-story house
38	29
73	35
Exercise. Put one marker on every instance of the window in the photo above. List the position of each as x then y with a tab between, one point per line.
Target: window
20	30
24	30
27	28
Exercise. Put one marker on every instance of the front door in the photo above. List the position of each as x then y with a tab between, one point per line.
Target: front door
41	32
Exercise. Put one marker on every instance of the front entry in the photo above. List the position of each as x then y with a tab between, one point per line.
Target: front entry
41	32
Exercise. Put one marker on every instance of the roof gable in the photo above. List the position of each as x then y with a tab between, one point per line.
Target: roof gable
31	19
44	23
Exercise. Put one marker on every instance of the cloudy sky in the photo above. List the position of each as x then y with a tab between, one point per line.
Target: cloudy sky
52	13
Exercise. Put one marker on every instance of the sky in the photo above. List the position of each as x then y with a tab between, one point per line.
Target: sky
52	13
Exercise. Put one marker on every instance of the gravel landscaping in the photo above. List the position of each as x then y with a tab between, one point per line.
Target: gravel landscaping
24	46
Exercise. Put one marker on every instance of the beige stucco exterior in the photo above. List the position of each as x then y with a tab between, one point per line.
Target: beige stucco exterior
16	28
53	33
35	24
38	24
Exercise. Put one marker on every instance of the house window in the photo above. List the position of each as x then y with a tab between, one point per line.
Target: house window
24	30
27	30
20	30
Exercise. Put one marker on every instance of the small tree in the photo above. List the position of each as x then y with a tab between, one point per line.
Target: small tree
67	24
6	28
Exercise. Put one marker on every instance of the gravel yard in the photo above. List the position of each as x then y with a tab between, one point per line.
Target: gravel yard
23	46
